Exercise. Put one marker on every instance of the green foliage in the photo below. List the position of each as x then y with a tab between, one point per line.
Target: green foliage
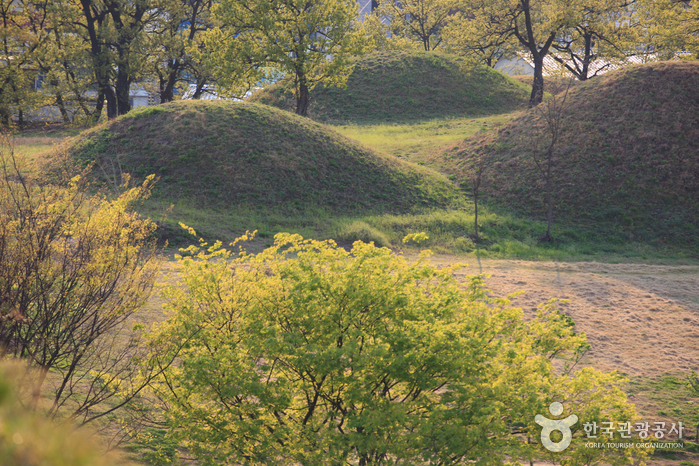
22	36
307	353
464	244
669	27
418	22
416	237
154	446
603	31
312	42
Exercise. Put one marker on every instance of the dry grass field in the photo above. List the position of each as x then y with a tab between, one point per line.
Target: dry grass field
641	320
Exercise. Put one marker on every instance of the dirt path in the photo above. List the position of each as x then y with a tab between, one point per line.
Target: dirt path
642	320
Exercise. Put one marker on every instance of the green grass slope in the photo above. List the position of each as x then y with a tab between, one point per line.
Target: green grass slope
405	87
215	153
627	159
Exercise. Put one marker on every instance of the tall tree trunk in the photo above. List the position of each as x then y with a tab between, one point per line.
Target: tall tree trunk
538	50
167	86
111	104
475	218
122	92
62	108
98	107
549	203
303	97
587	58
199	90
60	103
537	95
5	116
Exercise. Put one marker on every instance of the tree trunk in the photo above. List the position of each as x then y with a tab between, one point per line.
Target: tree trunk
587	58
537	95
98	107
302	99
475	219
549	204
60	103
122	92
167	89
199	90
5	116
110	97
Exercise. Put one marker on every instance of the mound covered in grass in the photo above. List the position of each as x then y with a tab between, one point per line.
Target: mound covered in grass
628	155
404	87
216	153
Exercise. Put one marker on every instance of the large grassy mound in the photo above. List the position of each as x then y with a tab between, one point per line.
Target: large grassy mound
628	155
214	153
404	87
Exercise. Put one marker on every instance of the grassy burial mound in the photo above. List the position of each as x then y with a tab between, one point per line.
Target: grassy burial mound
628	155
216	153
404	87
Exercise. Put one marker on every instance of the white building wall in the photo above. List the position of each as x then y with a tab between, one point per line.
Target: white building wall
514	67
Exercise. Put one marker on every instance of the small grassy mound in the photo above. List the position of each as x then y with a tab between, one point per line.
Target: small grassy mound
227	154
405	87
627	159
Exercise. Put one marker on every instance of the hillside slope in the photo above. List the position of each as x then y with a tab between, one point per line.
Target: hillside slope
404	87
628	155
237	154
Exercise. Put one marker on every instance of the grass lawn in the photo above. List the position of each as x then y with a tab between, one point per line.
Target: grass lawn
419	142
504	234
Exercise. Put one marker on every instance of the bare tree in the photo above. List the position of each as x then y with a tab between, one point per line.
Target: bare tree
552	112
74	269
476	179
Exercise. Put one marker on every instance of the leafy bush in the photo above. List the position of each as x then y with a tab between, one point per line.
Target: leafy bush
309	354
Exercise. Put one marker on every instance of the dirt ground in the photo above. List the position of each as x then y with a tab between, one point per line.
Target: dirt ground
641	320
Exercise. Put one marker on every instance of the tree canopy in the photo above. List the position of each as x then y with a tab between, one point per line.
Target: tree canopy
418	21
312	41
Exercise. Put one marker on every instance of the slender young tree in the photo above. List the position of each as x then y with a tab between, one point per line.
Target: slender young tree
74	268
552	112
476	179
